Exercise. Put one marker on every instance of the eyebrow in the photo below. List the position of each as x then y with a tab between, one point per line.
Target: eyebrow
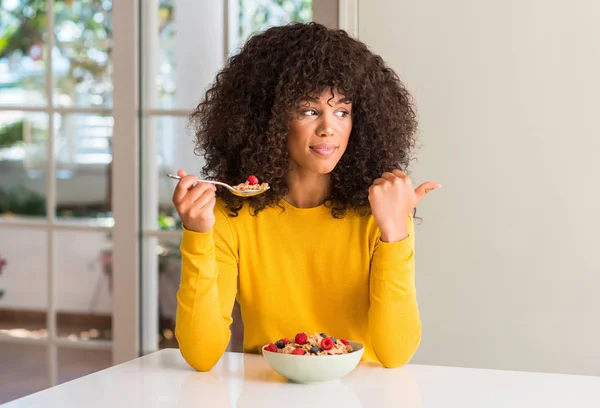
317	100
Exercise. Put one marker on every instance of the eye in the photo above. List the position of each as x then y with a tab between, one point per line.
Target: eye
342	114
309	112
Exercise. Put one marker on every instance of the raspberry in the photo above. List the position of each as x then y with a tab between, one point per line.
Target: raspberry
301	338
298	351
326	343
346	342
252	180
285	340
271	347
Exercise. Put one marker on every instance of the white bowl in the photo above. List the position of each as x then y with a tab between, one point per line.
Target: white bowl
310	369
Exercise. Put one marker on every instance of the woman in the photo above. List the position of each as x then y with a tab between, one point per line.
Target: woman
329	247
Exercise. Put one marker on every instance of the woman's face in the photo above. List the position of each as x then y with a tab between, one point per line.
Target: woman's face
319	132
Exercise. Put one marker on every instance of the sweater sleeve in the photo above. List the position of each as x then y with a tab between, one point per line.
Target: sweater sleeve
209	270
394	320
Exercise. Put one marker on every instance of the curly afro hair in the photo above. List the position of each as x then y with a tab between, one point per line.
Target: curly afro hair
241	126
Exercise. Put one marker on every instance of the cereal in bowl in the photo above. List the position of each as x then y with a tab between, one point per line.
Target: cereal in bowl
311	345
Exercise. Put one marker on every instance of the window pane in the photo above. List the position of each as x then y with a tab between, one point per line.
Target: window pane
160	272
169	271
73	364
83	165
83	45
258	15
22	52
186	42
161	66
23	154
24	370
169	141
84	285
184	50
23	282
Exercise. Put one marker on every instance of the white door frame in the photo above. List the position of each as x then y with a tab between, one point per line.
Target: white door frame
125	181
348	16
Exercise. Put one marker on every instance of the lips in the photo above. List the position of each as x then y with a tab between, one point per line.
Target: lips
324	149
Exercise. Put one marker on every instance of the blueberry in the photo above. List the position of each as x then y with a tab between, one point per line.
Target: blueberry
314	349
323	335
280	344
334	340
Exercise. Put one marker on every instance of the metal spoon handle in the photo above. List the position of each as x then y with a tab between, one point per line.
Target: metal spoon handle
227	186
173	176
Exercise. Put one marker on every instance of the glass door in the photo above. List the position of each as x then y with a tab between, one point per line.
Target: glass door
184	44
67	270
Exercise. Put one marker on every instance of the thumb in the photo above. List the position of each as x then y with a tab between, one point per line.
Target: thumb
181	173
425	188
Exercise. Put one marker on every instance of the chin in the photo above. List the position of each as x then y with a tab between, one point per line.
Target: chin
318	165
323	168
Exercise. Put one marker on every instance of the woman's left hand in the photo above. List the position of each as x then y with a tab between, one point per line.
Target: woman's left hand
392	200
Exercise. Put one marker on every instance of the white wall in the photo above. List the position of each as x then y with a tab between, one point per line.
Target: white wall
508	94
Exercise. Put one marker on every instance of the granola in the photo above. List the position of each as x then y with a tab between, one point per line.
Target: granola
316	344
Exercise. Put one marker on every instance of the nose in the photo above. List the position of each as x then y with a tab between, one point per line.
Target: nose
325	129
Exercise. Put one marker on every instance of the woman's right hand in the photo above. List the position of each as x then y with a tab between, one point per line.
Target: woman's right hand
195	205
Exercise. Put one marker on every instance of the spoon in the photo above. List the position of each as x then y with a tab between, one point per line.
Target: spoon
234	191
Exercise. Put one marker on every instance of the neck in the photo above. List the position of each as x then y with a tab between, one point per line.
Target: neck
307	190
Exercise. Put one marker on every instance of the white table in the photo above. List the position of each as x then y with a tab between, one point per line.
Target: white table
163	379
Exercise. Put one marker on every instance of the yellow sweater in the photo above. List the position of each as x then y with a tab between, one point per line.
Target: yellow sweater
294	271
